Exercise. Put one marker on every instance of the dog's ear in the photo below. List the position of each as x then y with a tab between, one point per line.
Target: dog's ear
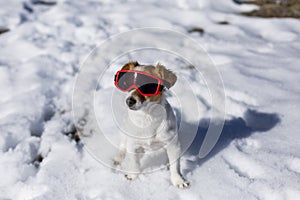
130	65
168	76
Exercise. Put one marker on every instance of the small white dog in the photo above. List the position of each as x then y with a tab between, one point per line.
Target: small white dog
150	123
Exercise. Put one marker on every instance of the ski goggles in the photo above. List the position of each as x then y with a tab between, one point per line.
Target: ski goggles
146	84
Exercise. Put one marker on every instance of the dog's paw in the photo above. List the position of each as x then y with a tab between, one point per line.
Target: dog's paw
116	162
131	177
184	184
180	182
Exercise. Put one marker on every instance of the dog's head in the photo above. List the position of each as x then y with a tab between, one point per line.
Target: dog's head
135	99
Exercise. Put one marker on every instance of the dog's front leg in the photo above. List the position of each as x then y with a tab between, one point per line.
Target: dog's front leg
134	156
119	157
173	151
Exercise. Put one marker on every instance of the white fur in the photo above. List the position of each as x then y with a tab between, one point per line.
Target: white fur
150	127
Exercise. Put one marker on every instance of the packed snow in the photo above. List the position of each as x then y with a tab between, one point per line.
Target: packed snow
257	155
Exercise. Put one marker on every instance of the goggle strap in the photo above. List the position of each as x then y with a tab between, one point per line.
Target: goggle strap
161	88
166	84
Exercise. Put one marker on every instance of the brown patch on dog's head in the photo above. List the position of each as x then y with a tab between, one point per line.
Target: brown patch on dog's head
130	65
166	75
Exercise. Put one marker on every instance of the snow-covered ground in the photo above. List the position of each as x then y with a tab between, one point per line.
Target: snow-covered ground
257	155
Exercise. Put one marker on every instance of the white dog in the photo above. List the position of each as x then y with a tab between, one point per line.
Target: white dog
150	123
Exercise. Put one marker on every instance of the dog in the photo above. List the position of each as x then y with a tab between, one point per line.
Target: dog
150	122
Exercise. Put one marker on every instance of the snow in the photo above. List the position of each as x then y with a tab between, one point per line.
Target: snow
257	155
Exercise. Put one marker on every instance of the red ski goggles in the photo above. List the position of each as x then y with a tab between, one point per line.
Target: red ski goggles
146	84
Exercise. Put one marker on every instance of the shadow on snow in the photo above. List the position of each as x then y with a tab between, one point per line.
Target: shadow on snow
237	128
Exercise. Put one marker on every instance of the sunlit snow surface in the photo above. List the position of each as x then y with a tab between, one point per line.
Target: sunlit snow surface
257	156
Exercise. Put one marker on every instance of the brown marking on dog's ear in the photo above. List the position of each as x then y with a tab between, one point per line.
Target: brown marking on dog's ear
130	65
149	69
168	76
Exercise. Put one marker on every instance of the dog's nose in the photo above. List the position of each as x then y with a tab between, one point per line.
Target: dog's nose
130	101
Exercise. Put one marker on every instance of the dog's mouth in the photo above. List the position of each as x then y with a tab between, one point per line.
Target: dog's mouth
132	108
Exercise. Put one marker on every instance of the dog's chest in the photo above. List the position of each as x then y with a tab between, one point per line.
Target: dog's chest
144	124
151	128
